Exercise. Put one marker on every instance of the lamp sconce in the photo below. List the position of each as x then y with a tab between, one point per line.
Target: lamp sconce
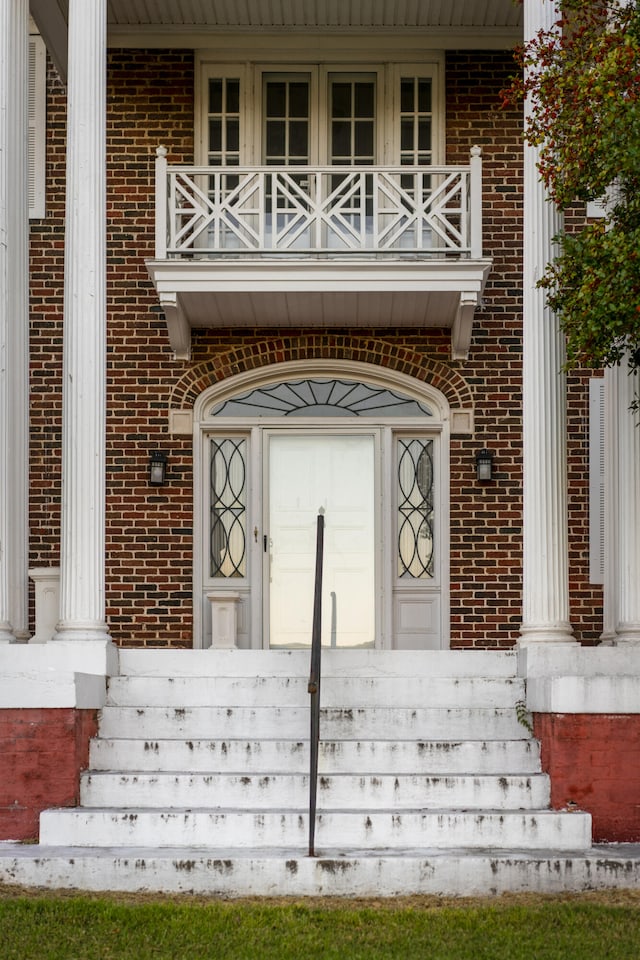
484	466
157	468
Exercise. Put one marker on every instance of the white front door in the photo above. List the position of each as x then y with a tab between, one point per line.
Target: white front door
307	473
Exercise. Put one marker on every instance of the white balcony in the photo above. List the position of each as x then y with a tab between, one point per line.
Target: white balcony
319	246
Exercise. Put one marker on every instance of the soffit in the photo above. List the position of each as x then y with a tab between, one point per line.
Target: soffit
319	294
483	15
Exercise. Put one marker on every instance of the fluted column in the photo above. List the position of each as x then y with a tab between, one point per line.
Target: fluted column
625	494
545	561
14	320
82	594
610	585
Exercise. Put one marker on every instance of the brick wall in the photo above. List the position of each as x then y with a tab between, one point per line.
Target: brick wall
593	761
149	531
42	752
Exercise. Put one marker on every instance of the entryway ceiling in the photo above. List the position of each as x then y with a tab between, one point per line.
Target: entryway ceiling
359	14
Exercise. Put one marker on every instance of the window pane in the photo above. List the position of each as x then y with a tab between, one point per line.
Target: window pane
233	96
276	98
406	96
215	136
233	135
320	398
298	140
341	100
424	96
228	499
415	515
424	135
406	135
276	132
299	99
215	96
364	139
341	140
364	106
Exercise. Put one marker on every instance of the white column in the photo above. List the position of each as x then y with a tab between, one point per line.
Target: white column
82	595
624	539
545	562
14	320
610	585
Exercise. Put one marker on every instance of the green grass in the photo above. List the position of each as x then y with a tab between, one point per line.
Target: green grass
73	927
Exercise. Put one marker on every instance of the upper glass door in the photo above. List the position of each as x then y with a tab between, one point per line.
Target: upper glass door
337	473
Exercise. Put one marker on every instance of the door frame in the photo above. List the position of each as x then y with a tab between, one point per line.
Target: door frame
204	425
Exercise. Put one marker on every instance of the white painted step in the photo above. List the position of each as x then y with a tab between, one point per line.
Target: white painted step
336	756
335	792
336	663
277	873
383	723
345	830
336	691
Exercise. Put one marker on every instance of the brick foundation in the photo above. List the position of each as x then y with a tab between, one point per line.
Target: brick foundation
42	752
594	761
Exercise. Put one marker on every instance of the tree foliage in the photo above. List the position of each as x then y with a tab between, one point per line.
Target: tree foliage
582	81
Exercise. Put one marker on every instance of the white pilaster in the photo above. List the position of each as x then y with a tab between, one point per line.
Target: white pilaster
14	320
82	594
610	585
624	539
545	560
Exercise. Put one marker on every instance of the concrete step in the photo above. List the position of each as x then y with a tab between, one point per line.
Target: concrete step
336	691
345	830
336	756
168	791
335	663
382	723
278	873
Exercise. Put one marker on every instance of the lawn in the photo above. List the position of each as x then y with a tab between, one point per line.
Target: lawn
70	926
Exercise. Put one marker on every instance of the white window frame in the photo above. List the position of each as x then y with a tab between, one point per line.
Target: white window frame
387	68
429	71
224	71
37	126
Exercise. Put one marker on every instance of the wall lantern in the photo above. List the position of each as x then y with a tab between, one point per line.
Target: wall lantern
484	466
157	468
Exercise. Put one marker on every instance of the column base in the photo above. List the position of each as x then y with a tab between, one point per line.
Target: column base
6	633
82	630
558	633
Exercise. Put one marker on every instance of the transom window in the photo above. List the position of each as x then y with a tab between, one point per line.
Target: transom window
321	398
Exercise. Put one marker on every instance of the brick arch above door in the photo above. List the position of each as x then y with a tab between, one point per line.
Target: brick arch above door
373	351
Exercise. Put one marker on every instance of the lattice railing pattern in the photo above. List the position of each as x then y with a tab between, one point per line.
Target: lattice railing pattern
210	211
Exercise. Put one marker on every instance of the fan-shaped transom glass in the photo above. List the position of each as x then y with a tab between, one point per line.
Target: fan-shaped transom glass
321	397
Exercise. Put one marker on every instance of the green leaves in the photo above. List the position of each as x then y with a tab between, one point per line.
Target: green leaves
582	81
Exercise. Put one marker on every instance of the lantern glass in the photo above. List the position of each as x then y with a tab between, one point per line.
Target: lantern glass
484	465
157	468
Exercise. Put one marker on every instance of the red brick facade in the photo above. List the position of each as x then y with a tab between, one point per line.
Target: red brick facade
593	762
42	752
149	531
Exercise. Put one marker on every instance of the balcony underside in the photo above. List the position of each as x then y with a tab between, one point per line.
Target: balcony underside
208	294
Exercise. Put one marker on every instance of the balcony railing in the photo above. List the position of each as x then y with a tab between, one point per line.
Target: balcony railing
396	212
